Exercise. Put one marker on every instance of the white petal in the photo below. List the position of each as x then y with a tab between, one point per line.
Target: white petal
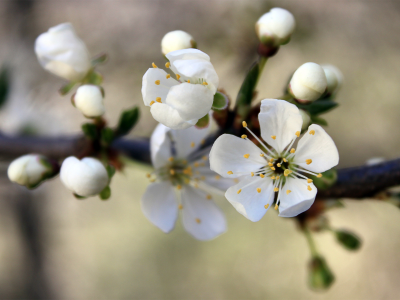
281	120
160	146
227	155
186	54
298	200
249	202
201	217
192	101
159	205
169	116
214	180
151	90
319	147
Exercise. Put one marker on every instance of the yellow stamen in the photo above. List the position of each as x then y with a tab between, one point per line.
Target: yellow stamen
270	164
180	206
209	197
172	172
285	160
171	159
278	165
196	164
158	99
198	221
192	144
288	192
273	177
148	175
292	150
266	206
309	180
205	83
152	102
188	81
273	137
308	161
230	172
298	133
252	174
262	175
312	132
319	175
205	157
276	189
179	187
154	65
286	173
259	190
273	168
244	124
157	82
309	188
244	136
271	160
239	191
276	207
178	76
217	177
167	65
167	76
262	154
246	155
277	177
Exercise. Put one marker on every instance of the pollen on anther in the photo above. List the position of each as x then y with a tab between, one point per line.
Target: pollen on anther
273	177
244	124
278	165
309	180
288	192
277	177
259	190
308	161
192	144
273	137
319	175
270	164
312	132
167	65
262	154
273	168
152	102
252	174
286	172
209	197
157	82
205	83
158	99
297	133
180	206
167	76
178	76
244	136
148	175
285	160
198	221
271	160
246	155
276	189
188	81
153	65
239	191
179	187
262	175
309	188
276	206
292	150
230	172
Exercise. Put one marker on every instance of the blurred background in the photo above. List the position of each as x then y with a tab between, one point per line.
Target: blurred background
53	246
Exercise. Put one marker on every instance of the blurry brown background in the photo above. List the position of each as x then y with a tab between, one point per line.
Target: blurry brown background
56	247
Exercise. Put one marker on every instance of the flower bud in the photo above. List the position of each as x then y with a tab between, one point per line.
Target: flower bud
275	27
86	177
306	119
308	83
374	161
334	78
320	276
177	40
30	170
89	100
61	52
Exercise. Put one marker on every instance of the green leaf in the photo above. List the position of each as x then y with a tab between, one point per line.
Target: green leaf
105	194
127	121
203	122
110	171
320	277
99	59
319	121
318	107
66	88
90	131
246	92
220	101
107	136
4	85
348	239
326	181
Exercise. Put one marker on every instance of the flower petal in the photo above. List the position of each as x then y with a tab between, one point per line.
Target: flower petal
151	90
160	146
281	120
299	199
201	217
227	155
169	116
159	205
319	147
192	101
212	179
249	202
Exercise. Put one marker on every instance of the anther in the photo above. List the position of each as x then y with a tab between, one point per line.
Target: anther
292	150
239	191
244	136
312	132
203	141
277	177
262	175
276	189
259	190
167	65
288	192
273	177
308	161
297	133
285	160
244	124
188	81
168	76
273	137
270	164
266	206
252	174
262	154
198	221
154	65
157	82
171	159
246	155
309	188
178	76
278	165
230	172
179	187
276	206
180	206
172	172
319	175
309	180
192	144
205	157
204	83
273	168
271	160
152	102
286	172
217	177
209	197
158	99
148	175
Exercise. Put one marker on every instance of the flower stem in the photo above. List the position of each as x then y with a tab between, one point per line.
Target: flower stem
310	242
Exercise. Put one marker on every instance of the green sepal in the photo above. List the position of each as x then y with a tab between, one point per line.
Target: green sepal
319	121
320	277
4	85
94	78
66	88
220	101
326	181
348	240
318	107
127	121
105	194
203	122
110	171
79	197
90	131
107	136
99	59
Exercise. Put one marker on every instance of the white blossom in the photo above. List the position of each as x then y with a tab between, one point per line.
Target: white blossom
181	174
334	78
275	27
176	40
89	100
180	103
280	168
85	177
308	83
29	170
306	119
61	52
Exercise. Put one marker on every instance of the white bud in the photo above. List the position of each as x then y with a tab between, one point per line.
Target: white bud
86	177
306	119
89	100
275	27
61	52
374	161
308	83
29	170
176	40
334	78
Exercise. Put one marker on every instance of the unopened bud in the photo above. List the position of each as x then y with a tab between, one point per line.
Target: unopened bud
306	119
89	100
61	52
308	83
177	40
30	170
320	276
334	78
275	27
86	177
348	239
374	161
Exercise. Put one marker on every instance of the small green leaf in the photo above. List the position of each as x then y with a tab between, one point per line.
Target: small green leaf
99	59
107	136
318	107
326	181
319	121
105	194
203	122
220	101
4	85
79	197
320	277
94	78
127	121
348	239
90	131
110	171
66	88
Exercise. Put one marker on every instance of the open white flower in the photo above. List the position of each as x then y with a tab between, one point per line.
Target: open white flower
176	40
180	172
85	177
277	169
61	52
89	100
179	104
